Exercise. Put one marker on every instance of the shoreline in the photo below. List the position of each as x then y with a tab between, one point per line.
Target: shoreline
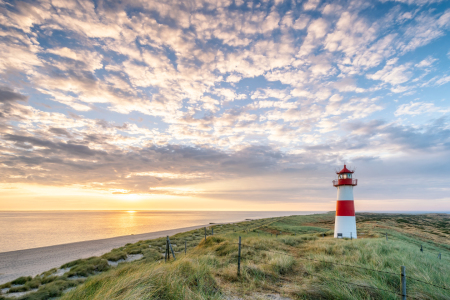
34	261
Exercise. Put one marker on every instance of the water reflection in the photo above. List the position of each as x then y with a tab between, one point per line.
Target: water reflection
38	229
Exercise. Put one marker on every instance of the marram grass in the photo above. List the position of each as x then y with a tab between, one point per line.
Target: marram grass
295	264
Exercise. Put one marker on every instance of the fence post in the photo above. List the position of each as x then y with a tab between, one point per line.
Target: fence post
167	249
323	234
171	249
184	247
165	253
239	258
386	236
439	256
205	234
403	283
421	248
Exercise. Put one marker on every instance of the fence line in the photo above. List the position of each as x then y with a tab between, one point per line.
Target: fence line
441	287
323	261
360	285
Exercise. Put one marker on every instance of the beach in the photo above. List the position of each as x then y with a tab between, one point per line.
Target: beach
31	262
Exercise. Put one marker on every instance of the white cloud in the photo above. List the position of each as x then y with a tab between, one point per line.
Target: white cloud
311	4
426	62
419	108
392	75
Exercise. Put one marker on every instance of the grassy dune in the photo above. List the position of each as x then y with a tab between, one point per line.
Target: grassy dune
291	265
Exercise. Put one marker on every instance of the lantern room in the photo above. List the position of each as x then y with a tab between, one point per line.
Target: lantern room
345	178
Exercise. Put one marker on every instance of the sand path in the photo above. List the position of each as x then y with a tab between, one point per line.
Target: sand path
31	262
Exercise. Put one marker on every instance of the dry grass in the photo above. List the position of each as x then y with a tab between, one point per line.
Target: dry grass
287	265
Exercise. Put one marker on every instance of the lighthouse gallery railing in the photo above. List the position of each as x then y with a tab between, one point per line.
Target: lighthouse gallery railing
347	181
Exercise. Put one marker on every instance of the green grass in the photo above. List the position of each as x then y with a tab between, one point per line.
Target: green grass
294	264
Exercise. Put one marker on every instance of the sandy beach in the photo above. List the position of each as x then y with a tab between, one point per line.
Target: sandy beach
31	262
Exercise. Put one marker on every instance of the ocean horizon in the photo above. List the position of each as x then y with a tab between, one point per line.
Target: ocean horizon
33	229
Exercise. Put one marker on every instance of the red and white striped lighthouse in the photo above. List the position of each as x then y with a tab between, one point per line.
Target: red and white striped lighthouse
345	222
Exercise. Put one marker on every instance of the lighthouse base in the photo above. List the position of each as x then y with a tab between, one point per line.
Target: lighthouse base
345	227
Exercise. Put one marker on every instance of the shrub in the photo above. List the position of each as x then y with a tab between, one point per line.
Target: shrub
21	280
88	267
115	255
18	289
48	279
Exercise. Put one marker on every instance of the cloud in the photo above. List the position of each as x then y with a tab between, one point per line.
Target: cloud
419	108
8	95
311	4
393	75
426	62
152	97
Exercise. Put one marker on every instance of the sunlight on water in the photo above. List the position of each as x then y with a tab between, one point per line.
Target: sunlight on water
24	230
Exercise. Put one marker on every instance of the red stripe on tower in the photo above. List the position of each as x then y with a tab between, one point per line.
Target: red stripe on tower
345	208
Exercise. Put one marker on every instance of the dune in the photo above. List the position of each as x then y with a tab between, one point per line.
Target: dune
31	262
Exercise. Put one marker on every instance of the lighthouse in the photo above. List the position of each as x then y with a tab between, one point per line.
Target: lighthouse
345	222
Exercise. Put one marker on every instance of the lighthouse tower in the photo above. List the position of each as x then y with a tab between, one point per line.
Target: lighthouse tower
345	223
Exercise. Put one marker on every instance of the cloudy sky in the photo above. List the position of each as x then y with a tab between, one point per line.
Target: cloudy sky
227	105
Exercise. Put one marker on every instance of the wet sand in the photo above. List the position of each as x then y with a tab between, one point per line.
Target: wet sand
31	262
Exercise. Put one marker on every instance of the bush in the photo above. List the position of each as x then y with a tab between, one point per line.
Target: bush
33	284
21	280
5	285
18	289
48	279
115	255
88	267
53	289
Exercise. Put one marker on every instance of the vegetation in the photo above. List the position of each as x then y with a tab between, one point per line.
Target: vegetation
303	262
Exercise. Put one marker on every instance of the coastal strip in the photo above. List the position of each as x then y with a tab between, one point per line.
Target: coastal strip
31	262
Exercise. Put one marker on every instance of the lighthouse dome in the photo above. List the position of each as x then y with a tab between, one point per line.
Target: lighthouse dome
344	170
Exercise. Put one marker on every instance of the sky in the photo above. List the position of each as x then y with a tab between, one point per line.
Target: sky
224	105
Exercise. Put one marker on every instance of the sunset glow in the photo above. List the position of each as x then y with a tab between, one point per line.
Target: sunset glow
224	105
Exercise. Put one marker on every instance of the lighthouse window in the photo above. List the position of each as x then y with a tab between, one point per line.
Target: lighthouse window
345	176
349	175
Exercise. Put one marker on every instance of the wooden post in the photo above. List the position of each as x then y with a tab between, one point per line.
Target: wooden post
167	249
165	253
421	248
184	247
239	258
439	255
386	236
171	249
403	283
323	235
205	234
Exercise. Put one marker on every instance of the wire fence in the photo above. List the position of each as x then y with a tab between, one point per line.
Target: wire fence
348	266
321	261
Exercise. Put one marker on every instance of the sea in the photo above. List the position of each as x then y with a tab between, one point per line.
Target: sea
32	229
